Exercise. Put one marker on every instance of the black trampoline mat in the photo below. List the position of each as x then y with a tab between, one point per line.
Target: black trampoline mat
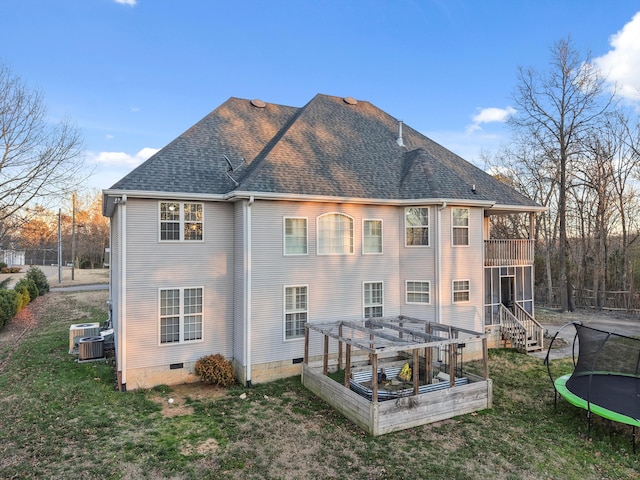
614	392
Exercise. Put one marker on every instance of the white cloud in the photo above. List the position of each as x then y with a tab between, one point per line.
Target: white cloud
108	136
621	64
489	115
134	109
127	2
121	159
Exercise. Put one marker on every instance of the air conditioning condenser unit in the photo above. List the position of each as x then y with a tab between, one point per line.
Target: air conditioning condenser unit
80	330
90	348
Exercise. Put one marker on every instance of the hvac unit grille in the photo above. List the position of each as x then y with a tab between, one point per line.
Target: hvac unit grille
80	330
90	348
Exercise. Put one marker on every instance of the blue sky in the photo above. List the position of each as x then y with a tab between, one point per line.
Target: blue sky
135	74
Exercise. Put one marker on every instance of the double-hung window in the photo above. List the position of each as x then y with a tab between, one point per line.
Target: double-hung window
418	292
180	315
417	226
181	221
373	299
335	234
371	236
461	289
295	236
460	226
295	311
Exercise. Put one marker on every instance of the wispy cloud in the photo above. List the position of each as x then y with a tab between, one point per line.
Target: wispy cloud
127	2
620	64
120	159
489	115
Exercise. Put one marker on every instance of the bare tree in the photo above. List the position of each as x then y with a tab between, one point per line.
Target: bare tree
38	159
556	109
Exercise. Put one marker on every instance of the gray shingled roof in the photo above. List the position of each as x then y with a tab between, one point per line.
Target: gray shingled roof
327	148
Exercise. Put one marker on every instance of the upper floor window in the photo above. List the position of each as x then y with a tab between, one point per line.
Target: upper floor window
418	292
181	221
295	236
372	236
460	226
335	234
417	226
461	290
180	315
373	299
295	311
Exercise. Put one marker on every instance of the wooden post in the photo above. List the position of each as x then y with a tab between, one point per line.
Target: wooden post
325	356
371	345
485	358
374	378
306	344
452	370
427	356
416	371
340	347
347	366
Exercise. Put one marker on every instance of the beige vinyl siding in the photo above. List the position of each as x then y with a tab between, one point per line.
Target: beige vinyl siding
463	263
334	281
152	265
418	263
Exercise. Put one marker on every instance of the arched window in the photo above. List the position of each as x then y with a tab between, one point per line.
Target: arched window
335	234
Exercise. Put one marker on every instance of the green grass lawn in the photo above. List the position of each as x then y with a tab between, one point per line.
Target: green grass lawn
62	419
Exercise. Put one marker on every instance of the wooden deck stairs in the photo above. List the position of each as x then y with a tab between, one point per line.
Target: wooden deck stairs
520	330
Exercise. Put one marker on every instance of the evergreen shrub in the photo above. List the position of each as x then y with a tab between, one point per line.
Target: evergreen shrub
39	278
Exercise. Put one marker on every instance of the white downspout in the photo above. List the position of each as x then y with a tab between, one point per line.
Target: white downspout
439	262
248	292
123	290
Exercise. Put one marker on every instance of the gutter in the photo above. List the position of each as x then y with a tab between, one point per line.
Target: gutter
248	286
122	323
439	262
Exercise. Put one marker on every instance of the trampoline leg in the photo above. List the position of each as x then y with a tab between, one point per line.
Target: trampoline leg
633	439
588	424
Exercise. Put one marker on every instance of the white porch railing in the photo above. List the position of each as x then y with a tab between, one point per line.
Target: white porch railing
522	330
498	253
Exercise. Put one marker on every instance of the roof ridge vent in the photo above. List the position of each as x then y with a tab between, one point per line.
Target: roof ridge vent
400	141
350	101
256	102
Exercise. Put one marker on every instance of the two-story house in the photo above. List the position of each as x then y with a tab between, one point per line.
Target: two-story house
263	217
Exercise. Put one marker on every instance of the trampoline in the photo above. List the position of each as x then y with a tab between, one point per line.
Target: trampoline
606	376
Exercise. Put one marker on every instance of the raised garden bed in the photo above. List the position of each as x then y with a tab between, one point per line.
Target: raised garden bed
389	405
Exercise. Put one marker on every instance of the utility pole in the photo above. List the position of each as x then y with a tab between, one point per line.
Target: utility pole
73	236
59	245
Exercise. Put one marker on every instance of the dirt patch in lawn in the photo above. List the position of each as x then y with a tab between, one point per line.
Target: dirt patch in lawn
176	401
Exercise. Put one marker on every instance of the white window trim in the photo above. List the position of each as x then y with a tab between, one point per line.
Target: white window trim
381	236
284	237
181	221
453	291
404	212
284	312
182	341
454	227
406	292
353	248
364	306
